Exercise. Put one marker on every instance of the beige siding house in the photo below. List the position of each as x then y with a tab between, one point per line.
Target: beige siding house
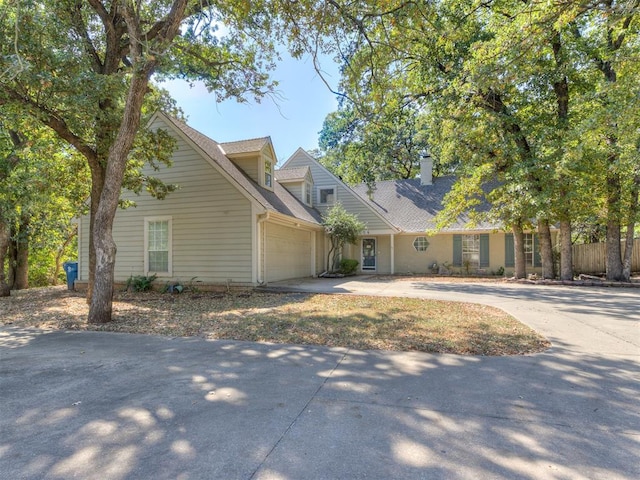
237	219
228	221
397	215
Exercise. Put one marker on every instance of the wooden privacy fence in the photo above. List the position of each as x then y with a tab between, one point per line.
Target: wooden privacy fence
590	258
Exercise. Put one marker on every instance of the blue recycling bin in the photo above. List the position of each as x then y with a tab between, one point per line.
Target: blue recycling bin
71	269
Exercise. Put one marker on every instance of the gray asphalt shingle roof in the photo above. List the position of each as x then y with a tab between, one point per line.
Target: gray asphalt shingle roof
245	146
279	200
412	207
292	174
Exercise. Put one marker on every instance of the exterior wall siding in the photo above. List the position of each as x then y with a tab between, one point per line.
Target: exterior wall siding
211	225
83	249
409	261
295	189
348	198
250	166
440	250
383	254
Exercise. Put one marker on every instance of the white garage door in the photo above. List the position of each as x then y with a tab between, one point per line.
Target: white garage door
287	253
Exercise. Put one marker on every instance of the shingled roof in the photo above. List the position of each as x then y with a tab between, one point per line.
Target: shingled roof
279	200
292	174
244	146
412	207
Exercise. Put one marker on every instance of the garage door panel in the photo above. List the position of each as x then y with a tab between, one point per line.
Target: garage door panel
287	253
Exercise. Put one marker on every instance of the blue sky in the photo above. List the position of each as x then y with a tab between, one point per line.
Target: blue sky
292	120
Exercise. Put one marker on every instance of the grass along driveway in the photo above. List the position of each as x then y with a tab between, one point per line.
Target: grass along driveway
360	322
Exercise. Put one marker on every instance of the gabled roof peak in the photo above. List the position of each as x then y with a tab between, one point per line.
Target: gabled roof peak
249	145
292	173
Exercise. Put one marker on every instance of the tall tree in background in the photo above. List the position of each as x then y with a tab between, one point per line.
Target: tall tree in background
540	96
365	147
607	35
83	69
42	186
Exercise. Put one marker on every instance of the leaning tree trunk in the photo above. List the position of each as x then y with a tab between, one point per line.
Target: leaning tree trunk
546	249
105	247
518	244
566	251
97	184
5	291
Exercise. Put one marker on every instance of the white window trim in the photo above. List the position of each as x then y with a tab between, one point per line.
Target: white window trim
168	219
327	187
308	193
375	255
531	251
426	244
263	169
465	240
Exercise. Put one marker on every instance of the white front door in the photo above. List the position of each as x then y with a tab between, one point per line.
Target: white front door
368	254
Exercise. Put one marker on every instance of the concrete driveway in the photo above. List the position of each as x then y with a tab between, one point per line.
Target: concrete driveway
110	406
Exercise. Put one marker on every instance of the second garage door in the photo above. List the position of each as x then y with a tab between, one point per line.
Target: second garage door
287	253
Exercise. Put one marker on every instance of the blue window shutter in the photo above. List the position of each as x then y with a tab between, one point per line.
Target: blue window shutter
484	250
509	251
457	250
537	259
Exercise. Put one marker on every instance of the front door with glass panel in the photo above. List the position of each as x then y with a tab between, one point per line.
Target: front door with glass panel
368	254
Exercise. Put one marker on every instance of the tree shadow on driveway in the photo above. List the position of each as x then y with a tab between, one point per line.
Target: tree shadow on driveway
114	406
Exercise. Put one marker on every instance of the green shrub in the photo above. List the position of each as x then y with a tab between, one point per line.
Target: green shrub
140	283
348	266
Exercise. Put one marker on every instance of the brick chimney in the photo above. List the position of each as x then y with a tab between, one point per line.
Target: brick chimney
426	168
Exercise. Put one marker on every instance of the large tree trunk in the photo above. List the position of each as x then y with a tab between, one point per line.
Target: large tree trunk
97	184
21	280
614	249
20	253
518	244
631	224
12	260
5	291
566	251
546	249
105	248
143	65
626	261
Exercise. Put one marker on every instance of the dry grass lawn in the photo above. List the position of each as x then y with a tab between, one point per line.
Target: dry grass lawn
359	322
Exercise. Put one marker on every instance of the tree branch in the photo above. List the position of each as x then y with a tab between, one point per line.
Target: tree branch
81	30
55	122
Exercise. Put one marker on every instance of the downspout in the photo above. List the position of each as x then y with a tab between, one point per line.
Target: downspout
393	254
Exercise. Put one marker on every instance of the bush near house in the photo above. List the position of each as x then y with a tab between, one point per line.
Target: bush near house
348	266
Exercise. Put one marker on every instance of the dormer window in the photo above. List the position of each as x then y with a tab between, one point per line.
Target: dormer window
268	173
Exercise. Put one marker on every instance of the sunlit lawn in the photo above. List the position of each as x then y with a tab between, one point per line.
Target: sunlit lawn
359	322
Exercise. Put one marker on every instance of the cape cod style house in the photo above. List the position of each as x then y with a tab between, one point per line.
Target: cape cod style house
236	219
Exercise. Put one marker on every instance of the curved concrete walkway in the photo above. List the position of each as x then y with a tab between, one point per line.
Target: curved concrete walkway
109	406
